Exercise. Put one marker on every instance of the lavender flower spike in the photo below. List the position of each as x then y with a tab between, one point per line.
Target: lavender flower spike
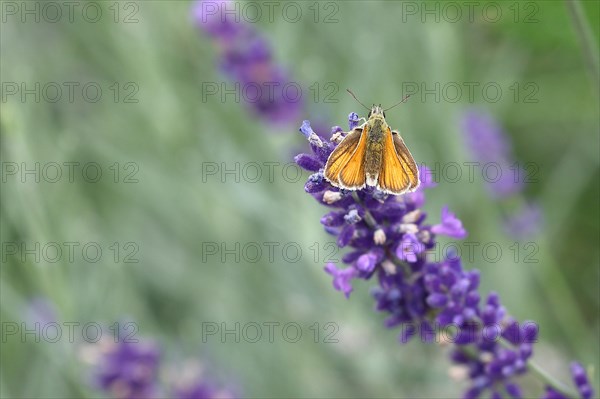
581	381
128	370
506	178
490	147
389	239
245	56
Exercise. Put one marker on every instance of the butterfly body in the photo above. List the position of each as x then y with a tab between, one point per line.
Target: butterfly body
373	155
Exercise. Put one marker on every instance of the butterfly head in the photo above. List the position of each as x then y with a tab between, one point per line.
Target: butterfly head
376	112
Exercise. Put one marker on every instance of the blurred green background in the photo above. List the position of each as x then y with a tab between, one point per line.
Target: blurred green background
171	212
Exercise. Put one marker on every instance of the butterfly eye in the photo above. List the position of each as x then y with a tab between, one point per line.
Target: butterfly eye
368	116
384	114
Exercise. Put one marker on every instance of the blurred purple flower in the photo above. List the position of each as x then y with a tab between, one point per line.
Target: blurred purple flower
40	310
389	239
551	393
490	147
128	370
246	58
527	222
190	380
581	380
201	389
211	18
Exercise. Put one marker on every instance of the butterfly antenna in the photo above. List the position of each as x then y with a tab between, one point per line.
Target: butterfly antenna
357	100
402	101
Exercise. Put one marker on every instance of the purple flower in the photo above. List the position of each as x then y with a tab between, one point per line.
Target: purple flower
246	58
453	292
426	177
409	248
367	261
551	393
41	311
341	278
387	237
128	370
581	381
352	217
493	364
352	120
201	388
450	226
308	162
336	129
526	223
485	137
212	17
491	148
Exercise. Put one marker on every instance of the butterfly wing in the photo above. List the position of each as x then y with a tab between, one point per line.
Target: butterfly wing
399	173
407	161
342	154
352	176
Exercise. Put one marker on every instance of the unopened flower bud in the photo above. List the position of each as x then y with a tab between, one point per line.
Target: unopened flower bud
379	237
329	197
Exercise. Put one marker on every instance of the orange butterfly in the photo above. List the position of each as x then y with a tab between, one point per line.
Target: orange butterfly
373	155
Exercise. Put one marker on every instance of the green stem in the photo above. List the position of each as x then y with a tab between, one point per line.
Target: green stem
369	219
553	382
410	276
589	47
